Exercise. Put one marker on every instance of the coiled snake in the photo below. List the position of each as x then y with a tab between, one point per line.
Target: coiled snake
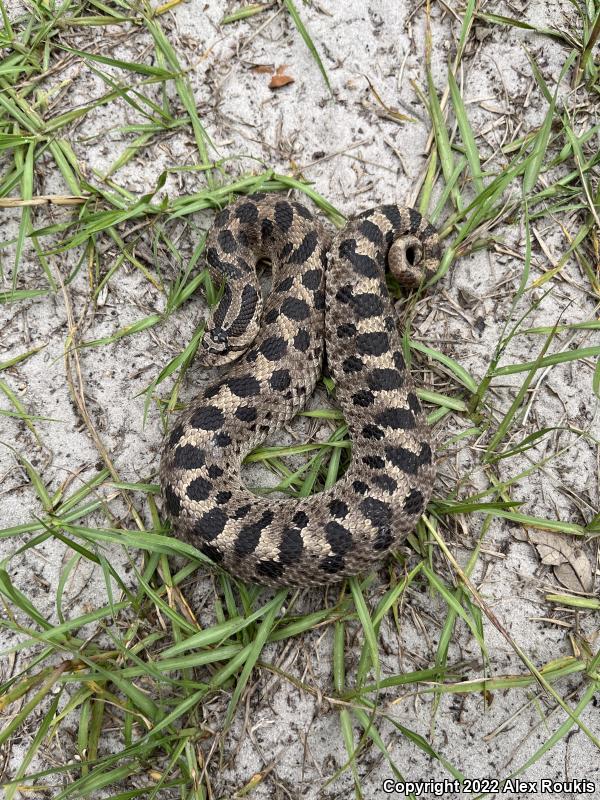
323	292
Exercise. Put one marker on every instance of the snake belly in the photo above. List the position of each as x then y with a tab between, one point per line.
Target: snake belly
325	294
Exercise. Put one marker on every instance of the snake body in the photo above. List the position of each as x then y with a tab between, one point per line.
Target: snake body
324	294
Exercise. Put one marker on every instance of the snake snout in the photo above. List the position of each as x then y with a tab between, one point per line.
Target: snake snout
215	340
219	336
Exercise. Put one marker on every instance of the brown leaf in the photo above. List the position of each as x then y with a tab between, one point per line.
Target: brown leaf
571	565
277	81
576	575
262	68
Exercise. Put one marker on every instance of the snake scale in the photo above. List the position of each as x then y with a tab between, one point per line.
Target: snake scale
325	295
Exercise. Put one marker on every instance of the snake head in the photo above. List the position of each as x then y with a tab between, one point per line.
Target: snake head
220	345
216	340
232	325
214	349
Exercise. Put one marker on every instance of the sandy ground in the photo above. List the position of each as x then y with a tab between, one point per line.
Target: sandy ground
356	158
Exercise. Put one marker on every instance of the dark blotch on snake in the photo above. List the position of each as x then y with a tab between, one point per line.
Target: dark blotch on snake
364	398
302	210
210	551
372	344
352	364
284	216
189	457
362	264
396	418
373	462
291	546
386	483
211	524
280	379
285	285
367	305
246	413
244	386
399	362
383	539
392	213
344	294
172	501
227	268
269	569
175	435
408	461
227	242
371	431
332	564
383	379
319	300
312	279
338	508
266	230
249	536
207	418
414	502
376	511
338	537
273	348
247	213
371	232
305	249
199	489
222	439
242	511
212	391
346	330
248	305
413	402
302	340
295	308
222	218
300	519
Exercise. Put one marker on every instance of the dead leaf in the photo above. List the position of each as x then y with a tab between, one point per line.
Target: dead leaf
576	575
571	565
262	68
280	78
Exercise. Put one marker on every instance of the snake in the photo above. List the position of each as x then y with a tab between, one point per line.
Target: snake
329	299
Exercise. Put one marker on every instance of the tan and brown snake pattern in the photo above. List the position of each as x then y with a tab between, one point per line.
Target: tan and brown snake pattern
325	295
